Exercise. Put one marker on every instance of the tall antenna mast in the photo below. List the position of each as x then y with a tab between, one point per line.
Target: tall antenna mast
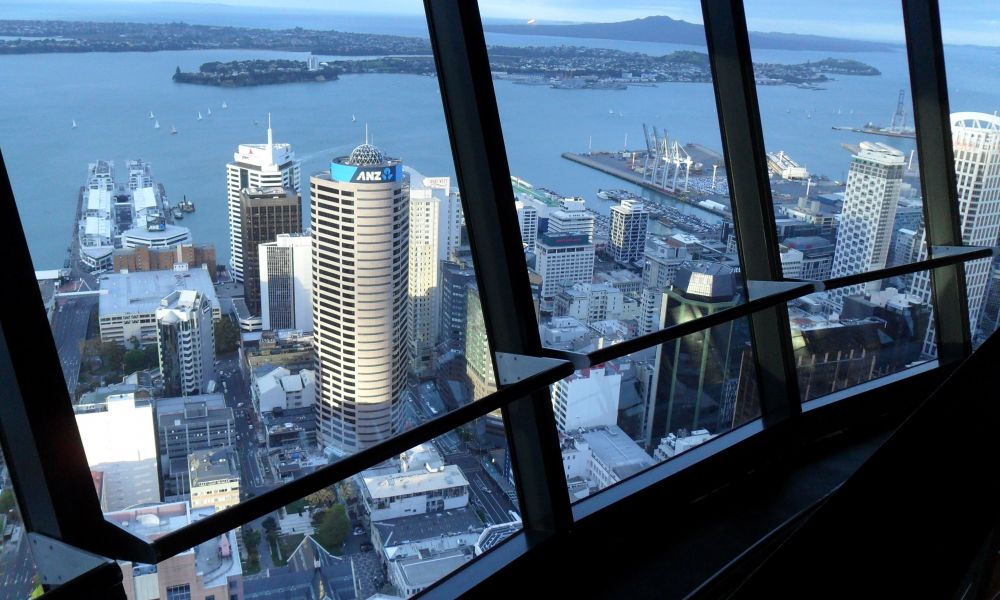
270	139
366	133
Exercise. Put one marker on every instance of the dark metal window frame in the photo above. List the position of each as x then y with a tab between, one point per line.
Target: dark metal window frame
42	445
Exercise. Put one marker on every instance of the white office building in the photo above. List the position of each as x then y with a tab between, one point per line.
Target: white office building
791	262
119	438
976	141
267	165
360	231
628	231
587	398
395	495
865	231
185	336
572	219
286	281
662	259
527	221
433	238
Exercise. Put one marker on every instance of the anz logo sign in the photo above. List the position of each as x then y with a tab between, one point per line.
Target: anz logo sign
355	174
384	174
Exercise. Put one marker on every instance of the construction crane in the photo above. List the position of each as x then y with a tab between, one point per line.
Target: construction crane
898	117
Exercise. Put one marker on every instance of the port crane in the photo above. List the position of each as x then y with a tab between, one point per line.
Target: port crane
898	122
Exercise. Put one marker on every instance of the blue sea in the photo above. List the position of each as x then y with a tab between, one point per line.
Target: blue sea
109	95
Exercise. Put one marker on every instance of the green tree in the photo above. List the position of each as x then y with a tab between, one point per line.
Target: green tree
323	497
269	524
227	336
6	500
251	537
333	529
140	359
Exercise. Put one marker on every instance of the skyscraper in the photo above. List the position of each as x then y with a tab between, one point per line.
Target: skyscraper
264	214
628	231
360	232
286	282
662	258
258	166
562	261
693	371
976	141
429	225
865	231
186	342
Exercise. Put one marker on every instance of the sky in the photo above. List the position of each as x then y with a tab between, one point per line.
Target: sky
963	21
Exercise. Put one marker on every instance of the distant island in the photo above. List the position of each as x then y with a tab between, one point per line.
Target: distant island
37	37
663	29
559	67
246	73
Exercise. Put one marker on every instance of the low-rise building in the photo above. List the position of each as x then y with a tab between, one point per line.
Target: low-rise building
214	477
119	439
187	424
673	444
391	496
143	258
128	308
211	569
419	550
290	428
290	349
276	387
601	456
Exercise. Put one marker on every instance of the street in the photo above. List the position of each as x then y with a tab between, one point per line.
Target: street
69	328
17	569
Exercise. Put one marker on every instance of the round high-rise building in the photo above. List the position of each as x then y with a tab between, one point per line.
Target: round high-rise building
360	245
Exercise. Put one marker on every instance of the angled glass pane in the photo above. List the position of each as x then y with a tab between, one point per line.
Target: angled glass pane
837	115
621	417
973	65
614	148
878	333
251	246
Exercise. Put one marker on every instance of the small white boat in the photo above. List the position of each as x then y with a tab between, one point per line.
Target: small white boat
224	105
199	115
611	111
74	123
173	130
151	115
210	111
353	119
156	125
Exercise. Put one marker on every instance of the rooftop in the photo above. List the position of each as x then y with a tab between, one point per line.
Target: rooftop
208	466
616	450
428	525
414	482
169	232
141	292
422	571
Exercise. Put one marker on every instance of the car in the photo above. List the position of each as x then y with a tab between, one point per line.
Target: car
239	405
251	427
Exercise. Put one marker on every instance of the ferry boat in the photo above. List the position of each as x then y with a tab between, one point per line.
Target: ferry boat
178	215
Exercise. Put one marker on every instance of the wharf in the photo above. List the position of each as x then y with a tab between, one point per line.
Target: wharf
606	163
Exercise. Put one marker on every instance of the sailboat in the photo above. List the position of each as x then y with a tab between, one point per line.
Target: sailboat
173	130
353	119
224	105
199	115
74	123
151	115
156	125
210	111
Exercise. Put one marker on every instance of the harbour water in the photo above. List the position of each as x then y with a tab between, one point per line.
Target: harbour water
110	96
